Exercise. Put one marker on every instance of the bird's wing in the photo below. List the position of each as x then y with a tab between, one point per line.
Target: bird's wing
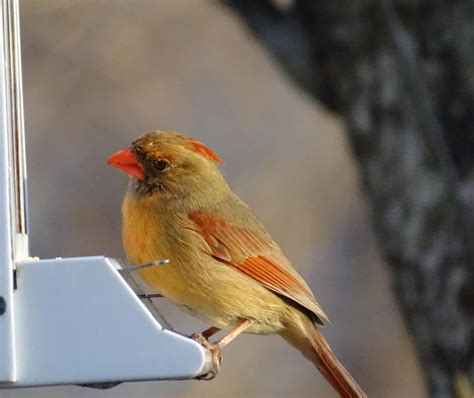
250	252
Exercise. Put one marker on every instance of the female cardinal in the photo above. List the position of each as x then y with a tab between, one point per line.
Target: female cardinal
225	267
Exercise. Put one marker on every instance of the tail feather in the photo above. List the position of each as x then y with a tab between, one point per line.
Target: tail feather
309	340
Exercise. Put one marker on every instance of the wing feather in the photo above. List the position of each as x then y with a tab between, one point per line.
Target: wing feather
250	252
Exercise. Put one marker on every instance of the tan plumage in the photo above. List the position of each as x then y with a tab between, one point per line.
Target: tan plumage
225	267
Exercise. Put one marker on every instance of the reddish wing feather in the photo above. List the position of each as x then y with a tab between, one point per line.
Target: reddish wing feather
244	250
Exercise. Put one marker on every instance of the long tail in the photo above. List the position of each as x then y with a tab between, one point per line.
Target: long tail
307	338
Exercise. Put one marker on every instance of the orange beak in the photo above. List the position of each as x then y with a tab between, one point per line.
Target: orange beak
127	161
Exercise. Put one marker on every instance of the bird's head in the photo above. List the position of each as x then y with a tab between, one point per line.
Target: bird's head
170	165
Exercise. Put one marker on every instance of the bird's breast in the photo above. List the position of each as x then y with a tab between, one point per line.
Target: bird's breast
150	234
141	232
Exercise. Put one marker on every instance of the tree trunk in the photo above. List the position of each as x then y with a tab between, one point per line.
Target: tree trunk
401	74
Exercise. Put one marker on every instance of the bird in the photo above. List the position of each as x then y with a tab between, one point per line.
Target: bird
224	268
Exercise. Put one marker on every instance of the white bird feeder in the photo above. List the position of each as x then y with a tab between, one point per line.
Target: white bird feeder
74	320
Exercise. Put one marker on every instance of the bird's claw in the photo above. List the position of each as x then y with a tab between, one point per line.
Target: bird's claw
216	356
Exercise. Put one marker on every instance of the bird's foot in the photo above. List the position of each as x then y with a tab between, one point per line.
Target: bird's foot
215	355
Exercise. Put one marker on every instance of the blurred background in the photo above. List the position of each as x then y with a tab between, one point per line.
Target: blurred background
98	73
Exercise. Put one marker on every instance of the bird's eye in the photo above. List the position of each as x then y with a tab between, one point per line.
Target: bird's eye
160	165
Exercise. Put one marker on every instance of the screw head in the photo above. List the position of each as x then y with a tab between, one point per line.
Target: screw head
3	305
